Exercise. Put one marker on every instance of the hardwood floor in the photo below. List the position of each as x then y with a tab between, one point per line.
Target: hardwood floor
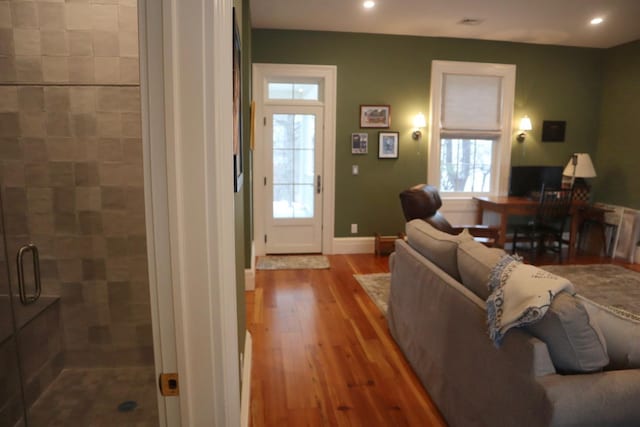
322	353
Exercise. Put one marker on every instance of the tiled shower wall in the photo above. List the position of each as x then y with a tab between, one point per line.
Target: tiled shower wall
71	168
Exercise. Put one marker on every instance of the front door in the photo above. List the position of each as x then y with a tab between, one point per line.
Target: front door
293	179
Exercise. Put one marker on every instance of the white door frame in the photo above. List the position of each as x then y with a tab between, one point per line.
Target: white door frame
186	102
328	75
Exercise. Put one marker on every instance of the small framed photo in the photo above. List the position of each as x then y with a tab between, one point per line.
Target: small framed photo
375	116
388	145
359	143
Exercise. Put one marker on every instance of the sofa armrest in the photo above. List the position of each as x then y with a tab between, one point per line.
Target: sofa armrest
606	398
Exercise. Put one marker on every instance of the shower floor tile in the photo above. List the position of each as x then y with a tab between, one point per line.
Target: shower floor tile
91	396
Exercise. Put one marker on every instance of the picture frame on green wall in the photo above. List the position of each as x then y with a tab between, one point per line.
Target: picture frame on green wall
388	145
359	143
375	116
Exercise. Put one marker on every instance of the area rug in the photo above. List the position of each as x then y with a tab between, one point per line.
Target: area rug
605	284
377	287
292	262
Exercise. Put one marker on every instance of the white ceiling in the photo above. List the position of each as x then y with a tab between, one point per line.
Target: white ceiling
558	22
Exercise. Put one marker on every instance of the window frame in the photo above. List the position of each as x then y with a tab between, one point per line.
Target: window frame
501	156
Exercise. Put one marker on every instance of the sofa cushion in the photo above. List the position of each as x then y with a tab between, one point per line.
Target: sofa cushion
575	342
621	332
437	246
475	262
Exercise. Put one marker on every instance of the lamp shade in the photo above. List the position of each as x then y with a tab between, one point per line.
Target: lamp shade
525	123
419	121
581	163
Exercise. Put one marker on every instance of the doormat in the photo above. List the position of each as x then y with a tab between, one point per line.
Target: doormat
292	262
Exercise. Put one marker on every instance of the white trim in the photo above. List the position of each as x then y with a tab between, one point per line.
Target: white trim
245	400
500	184
193	50
328	73
353	245
157	221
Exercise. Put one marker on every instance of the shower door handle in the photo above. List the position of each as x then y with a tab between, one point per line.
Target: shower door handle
24	298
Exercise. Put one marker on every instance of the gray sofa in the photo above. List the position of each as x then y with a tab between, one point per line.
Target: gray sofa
439	321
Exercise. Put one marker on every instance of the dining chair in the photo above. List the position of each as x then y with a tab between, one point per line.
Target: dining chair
548	224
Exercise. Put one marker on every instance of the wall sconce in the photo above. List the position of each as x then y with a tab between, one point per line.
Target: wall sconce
418	122
525	125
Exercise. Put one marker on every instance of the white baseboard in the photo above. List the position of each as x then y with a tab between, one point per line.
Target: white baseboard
250	273
245	398
353	245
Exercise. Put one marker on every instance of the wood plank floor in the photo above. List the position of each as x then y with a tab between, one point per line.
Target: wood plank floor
322	353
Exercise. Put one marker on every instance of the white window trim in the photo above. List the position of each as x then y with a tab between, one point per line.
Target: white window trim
502	156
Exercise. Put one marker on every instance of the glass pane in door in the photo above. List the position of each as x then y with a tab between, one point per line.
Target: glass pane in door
293	165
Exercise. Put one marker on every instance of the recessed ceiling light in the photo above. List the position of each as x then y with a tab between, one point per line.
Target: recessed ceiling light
368	4
596	21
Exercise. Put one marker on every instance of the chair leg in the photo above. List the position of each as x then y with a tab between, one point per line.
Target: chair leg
515	241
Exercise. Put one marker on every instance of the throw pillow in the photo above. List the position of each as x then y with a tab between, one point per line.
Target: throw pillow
435	245
621	331
575	343
475	262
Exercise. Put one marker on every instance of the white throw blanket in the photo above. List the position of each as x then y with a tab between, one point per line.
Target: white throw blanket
520	294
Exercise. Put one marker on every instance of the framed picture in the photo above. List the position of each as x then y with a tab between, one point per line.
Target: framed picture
553	130
388	145
359	143
375	116
237	107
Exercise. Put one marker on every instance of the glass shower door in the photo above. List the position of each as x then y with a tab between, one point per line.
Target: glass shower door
11	392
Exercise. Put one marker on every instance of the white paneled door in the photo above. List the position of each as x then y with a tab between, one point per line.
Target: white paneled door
293	179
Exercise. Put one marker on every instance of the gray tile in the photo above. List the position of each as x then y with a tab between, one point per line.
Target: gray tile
78	16
54	43
14	200
58	124
128	44
26	41
57	99
40	200
64	200
8	71
70	270
60	149
129	70
88	198
107	69
131	125
12	172
84	125
34	150
104	17
87	174
110	150
81	69
93	269
10	148
83	99
36	174
61	174
33	124
8	99
106	43
65	223
80	43
109	124
109	99
6	42
9	124
90	222
51	16
24	15
55	69
29	69
5	15
31	98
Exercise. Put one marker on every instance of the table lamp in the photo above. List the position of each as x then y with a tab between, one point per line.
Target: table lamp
578	168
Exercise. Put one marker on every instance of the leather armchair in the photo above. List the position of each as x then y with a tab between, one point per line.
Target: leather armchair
422	201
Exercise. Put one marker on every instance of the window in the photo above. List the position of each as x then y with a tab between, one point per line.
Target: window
291	91
470	144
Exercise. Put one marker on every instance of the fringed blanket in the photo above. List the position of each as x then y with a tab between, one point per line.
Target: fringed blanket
520	294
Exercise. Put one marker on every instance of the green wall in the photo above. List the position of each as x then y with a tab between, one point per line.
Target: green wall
618	153
553	83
